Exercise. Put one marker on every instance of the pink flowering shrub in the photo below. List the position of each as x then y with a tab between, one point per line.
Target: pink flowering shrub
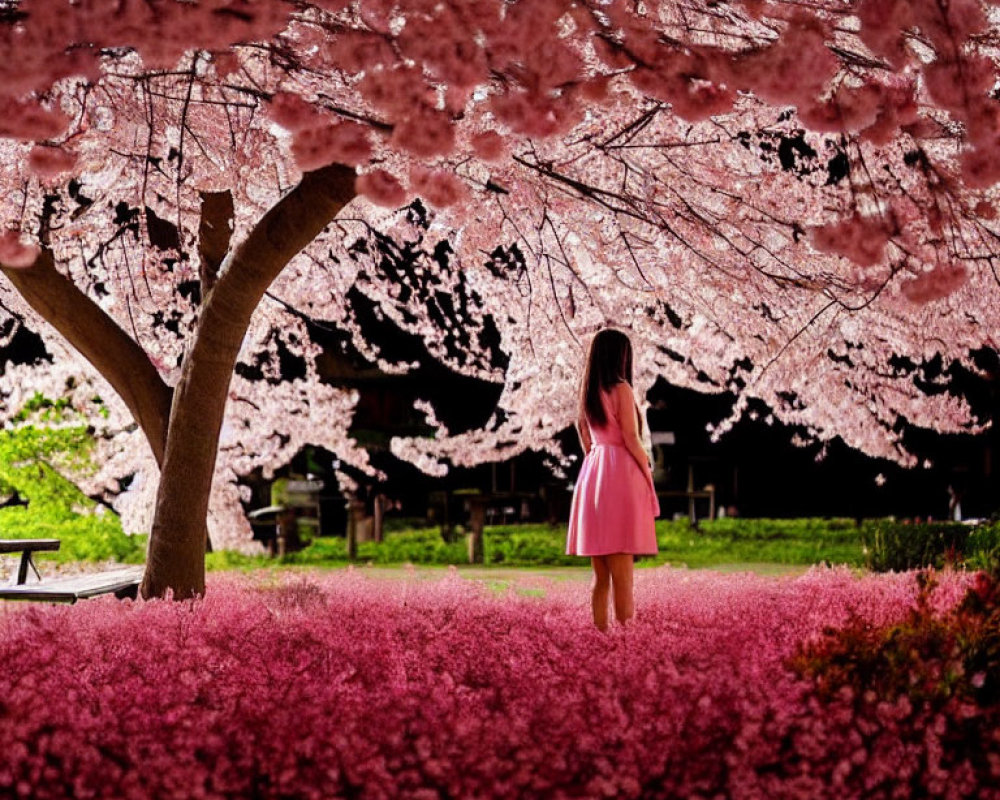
330	685
936	675
926	656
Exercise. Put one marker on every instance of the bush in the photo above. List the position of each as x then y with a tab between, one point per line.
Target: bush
527	545
741	539
891	545
930	680
983	547
416	547
83	537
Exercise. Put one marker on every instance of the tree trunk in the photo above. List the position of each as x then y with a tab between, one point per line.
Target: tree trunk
176	559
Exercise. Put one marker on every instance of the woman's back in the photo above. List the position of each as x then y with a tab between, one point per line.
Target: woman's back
610	433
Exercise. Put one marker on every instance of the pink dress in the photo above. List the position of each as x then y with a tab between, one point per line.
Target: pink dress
614	507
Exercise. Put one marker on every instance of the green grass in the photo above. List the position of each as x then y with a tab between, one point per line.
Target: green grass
713	544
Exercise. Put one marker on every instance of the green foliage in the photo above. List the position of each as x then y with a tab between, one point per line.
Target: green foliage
778	541
898	546
876	544
798	541
233	560
804	541
417	547
527	545
44	441
983	547
83	537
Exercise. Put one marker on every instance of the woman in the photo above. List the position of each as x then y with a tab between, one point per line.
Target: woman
614	503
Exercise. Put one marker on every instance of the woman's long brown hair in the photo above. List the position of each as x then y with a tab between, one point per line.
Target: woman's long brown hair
609	362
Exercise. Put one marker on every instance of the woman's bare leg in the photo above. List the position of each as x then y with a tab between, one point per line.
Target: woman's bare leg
620	566
599	598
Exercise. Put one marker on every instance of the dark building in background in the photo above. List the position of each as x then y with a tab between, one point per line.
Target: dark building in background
756	471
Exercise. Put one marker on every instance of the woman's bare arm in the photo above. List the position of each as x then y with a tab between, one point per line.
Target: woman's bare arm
583	430
626	408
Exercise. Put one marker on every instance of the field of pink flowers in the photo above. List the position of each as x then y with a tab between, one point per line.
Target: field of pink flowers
339	685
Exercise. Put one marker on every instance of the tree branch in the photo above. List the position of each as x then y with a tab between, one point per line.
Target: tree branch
99	339
214	234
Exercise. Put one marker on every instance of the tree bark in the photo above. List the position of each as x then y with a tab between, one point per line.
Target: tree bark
99	339
176	558
214	235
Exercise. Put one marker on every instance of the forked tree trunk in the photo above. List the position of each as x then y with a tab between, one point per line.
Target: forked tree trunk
176	559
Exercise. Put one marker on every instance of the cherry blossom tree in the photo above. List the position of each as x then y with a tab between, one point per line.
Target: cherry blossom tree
775	199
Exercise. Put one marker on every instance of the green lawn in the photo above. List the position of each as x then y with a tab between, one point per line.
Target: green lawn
761	544
720	544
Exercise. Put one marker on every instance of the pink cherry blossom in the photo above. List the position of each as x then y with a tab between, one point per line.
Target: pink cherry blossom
424	132
775	199
489	146
935	283
357	51
382	188
14	252
29	121
862	239
438	187
337	142
51	162
294	113
981	167
884	24
795	69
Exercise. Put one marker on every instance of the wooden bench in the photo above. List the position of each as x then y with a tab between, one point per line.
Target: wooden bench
123	582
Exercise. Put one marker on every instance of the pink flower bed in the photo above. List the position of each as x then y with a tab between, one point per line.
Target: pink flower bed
334	684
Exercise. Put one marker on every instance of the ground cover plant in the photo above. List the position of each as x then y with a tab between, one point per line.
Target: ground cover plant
322	684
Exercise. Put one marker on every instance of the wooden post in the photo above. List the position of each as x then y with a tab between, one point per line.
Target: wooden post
477	519
355	512
281	532
690	493
446	530
378	516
